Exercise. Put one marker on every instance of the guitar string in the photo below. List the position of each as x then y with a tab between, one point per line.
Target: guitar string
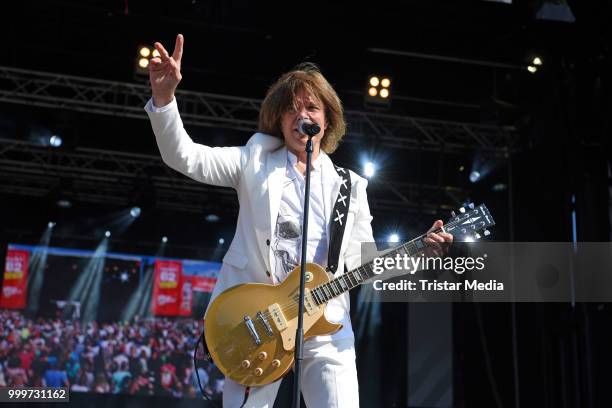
294	304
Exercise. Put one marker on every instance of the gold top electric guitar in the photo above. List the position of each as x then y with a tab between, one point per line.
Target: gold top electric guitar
250	328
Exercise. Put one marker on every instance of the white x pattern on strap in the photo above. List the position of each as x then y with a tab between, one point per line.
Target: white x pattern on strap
342	198
339	217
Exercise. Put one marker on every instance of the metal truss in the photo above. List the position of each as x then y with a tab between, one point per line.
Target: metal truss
124	99
117	178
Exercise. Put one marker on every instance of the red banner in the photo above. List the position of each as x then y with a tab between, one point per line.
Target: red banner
202	283
167	288
15	279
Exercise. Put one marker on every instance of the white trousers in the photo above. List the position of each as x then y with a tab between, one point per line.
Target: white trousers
329	379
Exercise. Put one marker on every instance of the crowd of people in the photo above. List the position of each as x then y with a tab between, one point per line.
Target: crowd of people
152	356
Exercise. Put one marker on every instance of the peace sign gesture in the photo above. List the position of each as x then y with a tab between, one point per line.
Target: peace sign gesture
165	72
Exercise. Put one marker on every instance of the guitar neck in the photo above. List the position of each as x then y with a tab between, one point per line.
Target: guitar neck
345	282
464	226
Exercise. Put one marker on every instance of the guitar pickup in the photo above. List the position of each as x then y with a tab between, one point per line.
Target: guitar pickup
309	305
265	323
278	317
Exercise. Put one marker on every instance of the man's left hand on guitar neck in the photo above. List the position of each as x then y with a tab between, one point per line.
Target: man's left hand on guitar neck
439	241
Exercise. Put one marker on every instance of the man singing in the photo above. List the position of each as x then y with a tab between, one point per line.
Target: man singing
268	175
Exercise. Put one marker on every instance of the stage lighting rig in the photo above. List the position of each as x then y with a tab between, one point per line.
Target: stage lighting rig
369	169
55	141
135	212
535	64
378	93
143	57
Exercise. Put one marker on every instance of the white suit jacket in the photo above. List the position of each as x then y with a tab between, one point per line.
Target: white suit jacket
257	171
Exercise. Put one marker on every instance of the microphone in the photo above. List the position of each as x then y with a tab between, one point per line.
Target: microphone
308	127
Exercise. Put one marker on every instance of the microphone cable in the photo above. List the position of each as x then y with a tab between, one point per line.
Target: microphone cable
195	367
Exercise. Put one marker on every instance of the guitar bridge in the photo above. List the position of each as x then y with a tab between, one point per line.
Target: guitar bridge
251	327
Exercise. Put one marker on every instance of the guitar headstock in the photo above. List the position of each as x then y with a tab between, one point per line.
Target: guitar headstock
468	225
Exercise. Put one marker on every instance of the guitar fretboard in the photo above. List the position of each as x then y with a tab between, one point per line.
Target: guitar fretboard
461	226
345	282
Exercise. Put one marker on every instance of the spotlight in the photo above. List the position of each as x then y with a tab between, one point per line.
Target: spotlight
532	69
164	239
378	92
143	57
393	238
221	241
474	176
107	234
135	212
212	218
51	224
499	187
144	52
461	168
469	239
537	61
55	141
124	277
64	203
369	169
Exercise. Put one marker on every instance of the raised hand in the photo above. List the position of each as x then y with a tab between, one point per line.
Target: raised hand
165	72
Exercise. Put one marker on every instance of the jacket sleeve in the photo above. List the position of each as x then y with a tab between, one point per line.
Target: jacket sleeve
361	231
219	166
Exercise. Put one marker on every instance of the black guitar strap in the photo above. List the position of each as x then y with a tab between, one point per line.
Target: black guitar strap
338	218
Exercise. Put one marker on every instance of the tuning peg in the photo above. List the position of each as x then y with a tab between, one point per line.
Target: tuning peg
461	210
487	233
453	214
477	236
471	205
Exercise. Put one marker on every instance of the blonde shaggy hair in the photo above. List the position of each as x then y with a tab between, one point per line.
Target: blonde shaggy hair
281	97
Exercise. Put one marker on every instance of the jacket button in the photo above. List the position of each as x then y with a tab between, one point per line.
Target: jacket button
268	273
267	242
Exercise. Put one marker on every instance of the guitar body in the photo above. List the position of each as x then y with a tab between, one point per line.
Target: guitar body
250	328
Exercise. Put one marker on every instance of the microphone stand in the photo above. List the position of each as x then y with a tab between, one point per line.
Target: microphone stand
299	333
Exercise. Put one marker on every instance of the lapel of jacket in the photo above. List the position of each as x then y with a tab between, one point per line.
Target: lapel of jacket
331	186
276	168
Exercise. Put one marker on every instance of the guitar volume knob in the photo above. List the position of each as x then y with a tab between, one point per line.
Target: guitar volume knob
276	363
258	372
263	355
245	363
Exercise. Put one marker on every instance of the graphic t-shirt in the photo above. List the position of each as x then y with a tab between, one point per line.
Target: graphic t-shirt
287	239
